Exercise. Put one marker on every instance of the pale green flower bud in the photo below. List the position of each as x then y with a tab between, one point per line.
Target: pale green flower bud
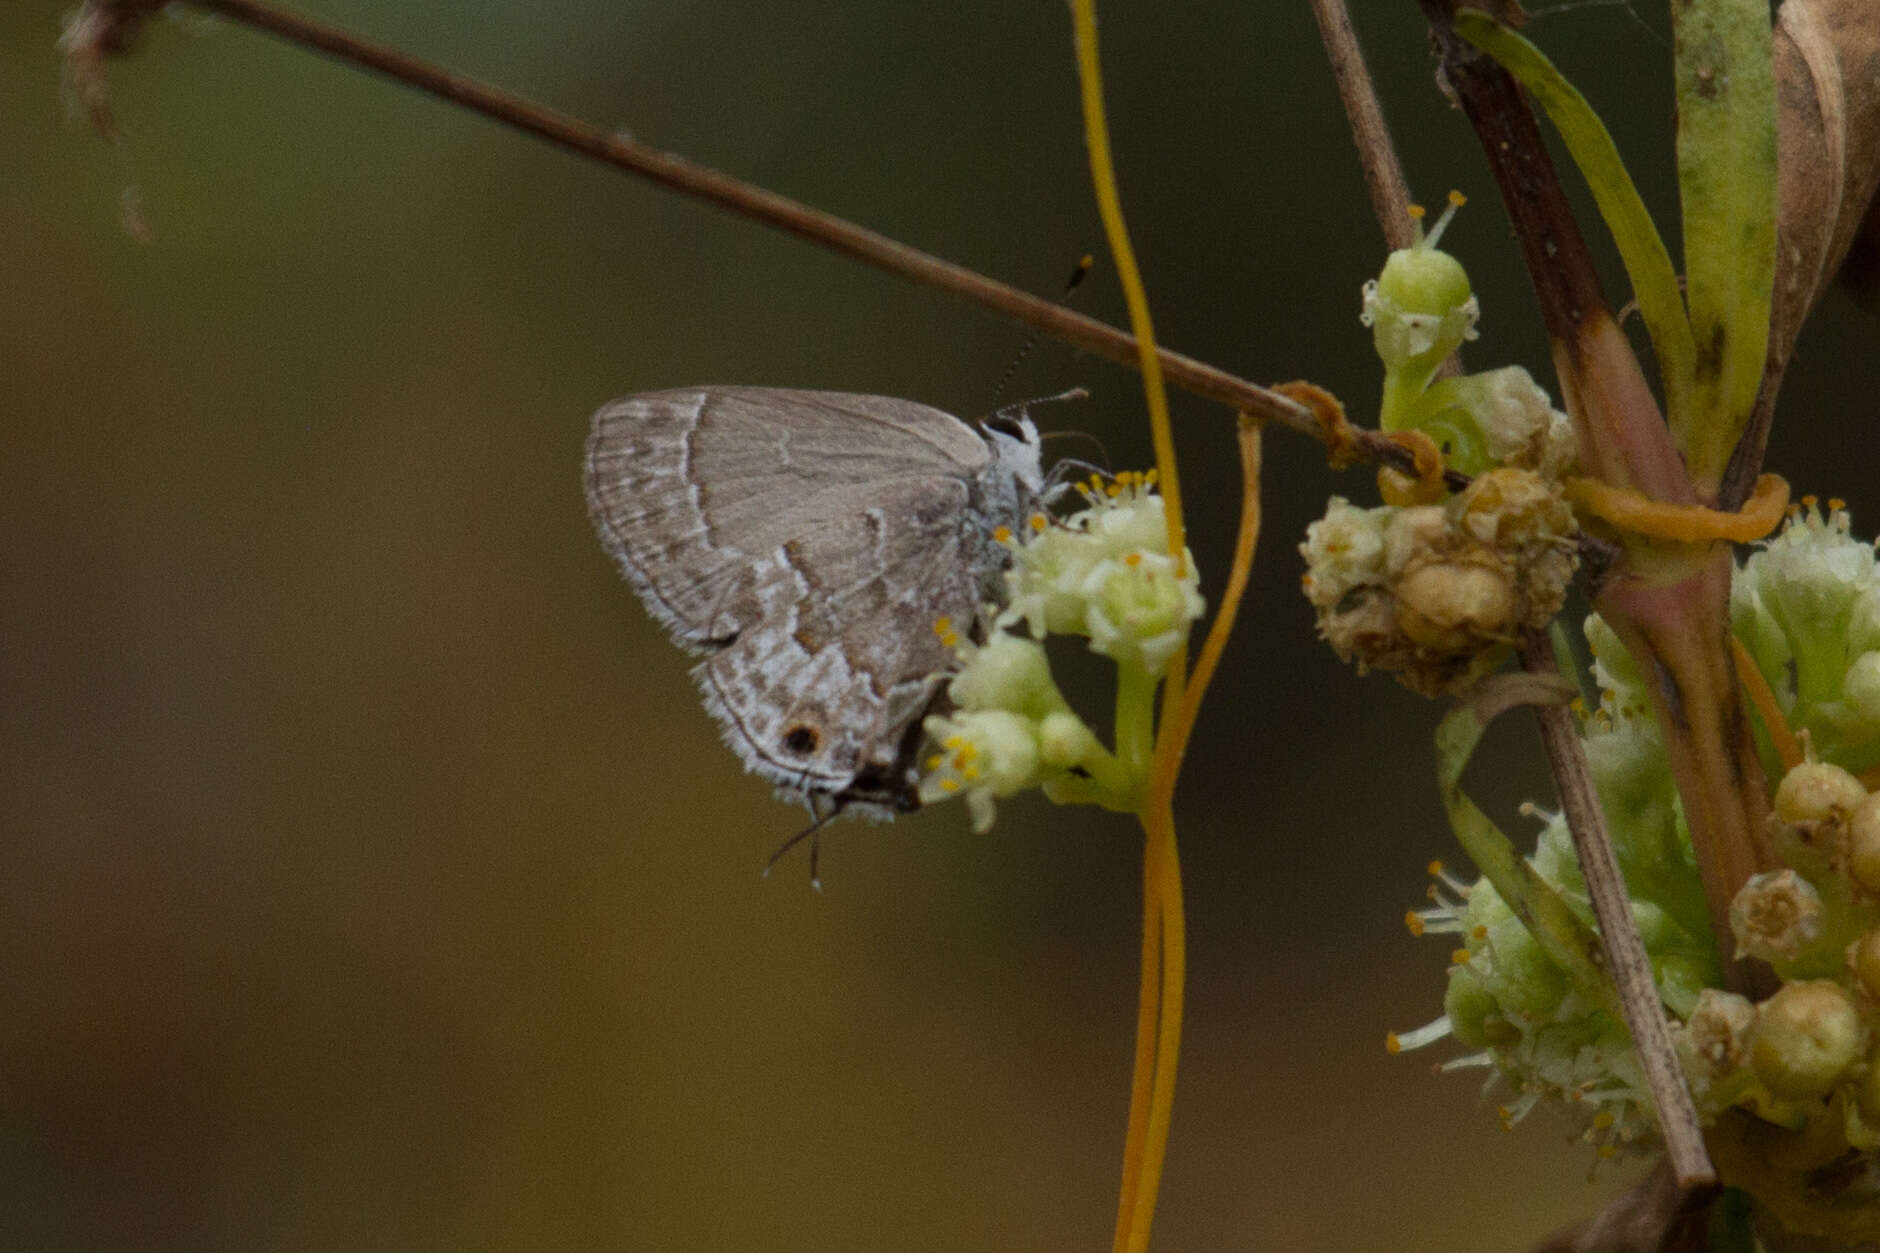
1064	741
1468	1006
985	755
1008	672
1863	620
1863	959
1047	578
1863	843
1861	689
1806	1037
1131	521
1420	308
1141	609
1816	791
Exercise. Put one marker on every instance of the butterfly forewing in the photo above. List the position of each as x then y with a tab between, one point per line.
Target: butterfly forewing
806	541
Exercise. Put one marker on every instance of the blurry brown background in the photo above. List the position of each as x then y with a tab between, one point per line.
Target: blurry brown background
369	876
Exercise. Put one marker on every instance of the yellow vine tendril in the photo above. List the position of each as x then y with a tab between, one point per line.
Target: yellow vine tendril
1763	699
1164	950
1164	946
1690	524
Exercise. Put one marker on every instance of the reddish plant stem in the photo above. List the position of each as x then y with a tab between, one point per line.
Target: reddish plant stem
1669	604
1680	633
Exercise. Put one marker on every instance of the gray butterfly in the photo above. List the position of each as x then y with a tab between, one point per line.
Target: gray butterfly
805	543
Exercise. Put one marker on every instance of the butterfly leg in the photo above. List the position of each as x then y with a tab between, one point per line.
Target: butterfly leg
822	810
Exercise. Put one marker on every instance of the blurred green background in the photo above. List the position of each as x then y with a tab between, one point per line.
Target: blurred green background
369	876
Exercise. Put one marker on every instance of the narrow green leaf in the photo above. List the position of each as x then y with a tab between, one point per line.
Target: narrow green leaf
1647	262
1569	941
1727	183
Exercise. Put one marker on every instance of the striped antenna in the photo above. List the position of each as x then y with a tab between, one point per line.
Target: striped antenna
1084	263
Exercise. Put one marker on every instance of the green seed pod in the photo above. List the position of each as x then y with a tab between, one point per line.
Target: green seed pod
1863	958
1816	791
1468	1005
1863	843
1807	1035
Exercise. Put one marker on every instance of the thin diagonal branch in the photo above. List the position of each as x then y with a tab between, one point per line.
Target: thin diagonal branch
1626	959
120	17
1383	172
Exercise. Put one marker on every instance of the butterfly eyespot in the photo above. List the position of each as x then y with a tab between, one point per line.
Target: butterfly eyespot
801	739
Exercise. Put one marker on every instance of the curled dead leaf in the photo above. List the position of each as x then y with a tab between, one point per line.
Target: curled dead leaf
1827	72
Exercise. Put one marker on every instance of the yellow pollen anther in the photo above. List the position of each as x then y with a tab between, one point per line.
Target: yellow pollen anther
1148	477
1038	522
952	741
1416	211
1459	958
1113	490
949	785
1411	919
968	751
942	625
1133	560
1608	1151
933	762
1433	869
1810	501
1836	504
970	774
1002	534
1603	1119
1458	199
1391	1043
1478	932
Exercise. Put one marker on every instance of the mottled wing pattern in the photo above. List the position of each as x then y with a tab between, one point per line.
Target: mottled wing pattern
805	541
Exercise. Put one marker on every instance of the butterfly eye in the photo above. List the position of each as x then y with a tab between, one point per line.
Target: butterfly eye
801	739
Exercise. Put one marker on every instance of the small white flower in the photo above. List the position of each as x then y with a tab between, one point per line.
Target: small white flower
1810	576
984	755
1519	423
1105	573
1344	550
1140	608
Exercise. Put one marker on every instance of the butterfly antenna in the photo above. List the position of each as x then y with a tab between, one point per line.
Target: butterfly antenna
812	833
1084	263
1103	454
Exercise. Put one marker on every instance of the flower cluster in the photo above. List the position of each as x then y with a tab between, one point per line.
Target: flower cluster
1438	594
1104	572
1805	1056
1807	607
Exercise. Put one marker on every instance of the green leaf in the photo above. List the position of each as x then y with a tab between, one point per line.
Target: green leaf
1727	183
1647	262
1544	912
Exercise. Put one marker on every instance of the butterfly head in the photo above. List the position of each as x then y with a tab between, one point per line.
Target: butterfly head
1013	438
